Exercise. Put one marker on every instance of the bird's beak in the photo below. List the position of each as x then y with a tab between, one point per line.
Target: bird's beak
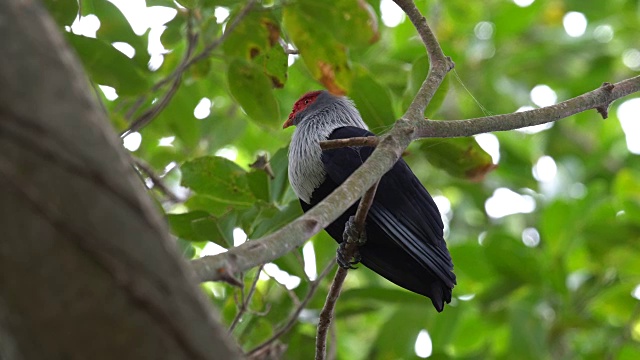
288	123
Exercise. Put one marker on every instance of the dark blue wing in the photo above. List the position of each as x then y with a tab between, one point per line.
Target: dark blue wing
403	208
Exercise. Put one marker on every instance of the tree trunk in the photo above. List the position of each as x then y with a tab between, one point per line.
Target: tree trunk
87	270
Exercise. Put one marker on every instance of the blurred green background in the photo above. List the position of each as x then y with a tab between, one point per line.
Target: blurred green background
543	224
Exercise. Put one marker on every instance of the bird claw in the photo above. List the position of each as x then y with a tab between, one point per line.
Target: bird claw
350	235
343	260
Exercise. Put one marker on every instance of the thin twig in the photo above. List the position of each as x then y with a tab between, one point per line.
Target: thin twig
601	97
157	181
332	297
148	116
439	64
151	114
245	302
355	141
595	99
287	49
229	29
293	318
136	105
176	76
389	149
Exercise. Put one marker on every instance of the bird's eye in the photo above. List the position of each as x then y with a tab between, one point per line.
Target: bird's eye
306	101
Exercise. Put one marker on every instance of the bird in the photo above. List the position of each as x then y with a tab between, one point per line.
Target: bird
404	229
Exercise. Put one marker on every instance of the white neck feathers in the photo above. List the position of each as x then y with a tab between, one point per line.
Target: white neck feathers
306	171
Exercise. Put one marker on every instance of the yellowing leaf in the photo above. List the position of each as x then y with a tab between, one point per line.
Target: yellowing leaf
460	157
325	57
252	89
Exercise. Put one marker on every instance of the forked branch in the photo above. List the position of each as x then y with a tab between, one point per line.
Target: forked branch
390	147
326	315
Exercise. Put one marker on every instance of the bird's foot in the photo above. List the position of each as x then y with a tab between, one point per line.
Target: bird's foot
350	235
344	260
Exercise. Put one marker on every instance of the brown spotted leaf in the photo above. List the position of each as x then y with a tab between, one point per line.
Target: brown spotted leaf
255	35
253	90
324	56
462	158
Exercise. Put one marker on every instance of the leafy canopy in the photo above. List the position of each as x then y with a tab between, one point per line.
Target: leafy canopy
552	280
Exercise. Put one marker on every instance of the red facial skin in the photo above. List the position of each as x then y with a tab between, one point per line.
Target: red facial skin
302	103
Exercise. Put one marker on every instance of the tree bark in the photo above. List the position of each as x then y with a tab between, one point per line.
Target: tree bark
87	270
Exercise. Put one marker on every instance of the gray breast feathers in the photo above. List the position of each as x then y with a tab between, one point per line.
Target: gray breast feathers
306	171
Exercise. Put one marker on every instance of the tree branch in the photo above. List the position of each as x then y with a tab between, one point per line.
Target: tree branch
334	292
148	116
176	77
143	167
389	149
245	301
71	204
293	318
357	141
600	98
439	64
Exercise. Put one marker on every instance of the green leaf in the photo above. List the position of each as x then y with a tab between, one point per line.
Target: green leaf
255	35
189	4
259	184
205	203
386	295
114	27
186	248
464	339
325	248
511	258
553	226
627	191
64	12
201	226
217	230
166	3
177	117
274	64
460	157
397	336
174	32
629	351
351	22
279	185
373	101
108	66
614	304
181	225
219	179
514	20
472	260
223	3
272	218
324	56
527	332
252	89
